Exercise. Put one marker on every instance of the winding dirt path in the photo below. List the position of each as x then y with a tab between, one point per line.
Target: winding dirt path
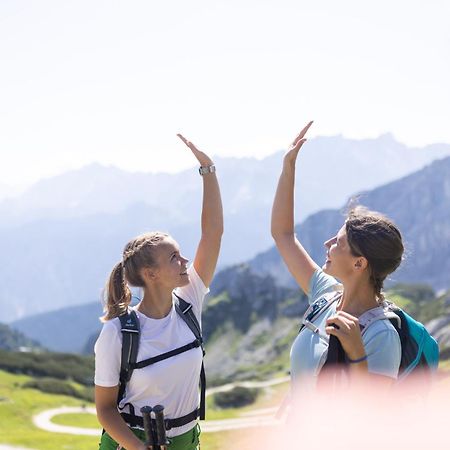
257	418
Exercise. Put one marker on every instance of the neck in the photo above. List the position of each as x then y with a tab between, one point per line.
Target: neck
357	298
156	303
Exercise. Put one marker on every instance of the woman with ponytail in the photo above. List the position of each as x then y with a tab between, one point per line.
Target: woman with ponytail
366	249
153	261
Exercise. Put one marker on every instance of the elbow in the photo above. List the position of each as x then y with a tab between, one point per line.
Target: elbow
278	235
275	233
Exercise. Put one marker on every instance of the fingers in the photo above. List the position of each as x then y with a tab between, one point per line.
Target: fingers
202	157
348	316
297	146
301	135
341	322
188	143
333	331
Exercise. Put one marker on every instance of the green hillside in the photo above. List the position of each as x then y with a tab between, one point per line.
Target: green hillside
18	404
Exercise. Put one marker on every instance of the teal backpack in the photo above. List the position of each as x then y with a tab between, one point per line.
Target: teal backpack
420	351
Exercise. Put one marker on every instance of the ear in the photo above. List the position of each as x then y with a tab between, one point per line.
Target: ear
361	263
148	274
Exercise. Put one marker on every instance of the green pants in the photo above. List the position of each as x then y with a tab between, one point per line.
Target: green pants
185	441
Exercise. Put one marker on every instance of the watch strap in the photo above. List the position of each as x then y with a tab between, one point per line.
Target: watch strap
206	169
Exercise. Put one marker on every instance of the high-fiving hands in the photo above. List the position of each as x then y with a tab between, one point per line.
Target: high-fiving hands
202	157
291	154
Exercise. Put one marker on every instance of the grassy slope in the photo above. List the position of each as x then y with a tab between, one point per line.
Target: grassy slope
19	405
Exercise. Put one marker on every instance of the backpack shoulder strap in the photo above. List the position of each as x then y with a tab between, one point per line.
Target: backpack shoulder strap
184	310
318	307
130	328
376	314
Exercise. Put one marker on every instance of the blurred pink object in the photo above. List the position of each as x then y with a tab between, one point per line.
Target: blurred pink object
366	416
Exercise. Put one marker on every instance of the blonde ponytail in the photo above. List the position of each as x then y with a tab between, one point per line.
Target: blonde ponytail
117	294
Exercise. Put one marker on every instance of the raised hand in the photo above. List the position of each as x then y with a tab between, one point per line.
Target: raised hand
202	157
291	154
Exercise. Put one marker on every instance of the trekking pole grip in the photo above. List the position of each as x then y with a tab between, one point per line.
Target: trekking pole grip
160	426
146	416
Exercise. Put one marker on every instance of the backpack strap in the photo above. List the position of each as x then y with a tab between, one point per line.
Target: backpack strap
149	361
336	356
184	310
317	308
130	328
376	314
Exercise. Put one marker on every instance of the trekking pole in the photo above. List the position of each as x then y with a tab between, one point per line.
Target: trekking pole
146	415
161	439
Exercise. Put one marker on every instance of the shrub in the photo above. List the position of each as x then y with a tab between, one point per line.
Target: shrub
236	398
52	386
62	366
59	387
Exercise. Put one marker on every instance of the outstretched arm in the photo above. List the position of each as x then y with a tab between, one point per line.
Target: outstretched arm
211	220
298	261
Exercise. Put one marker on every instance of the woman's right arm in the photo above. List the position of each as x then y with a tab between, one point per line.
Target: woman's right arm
298	261
111	421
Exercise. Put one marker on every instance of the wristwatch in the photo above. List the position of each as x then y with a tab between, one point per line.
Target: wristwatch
202	170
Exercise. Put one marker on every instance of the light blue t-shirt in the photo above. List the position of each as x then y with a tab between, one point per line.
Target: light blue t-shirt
309	350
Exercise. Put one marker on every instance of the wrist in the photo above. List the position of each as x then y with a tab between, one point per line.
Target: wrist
205	162
206	169
289	164
359	359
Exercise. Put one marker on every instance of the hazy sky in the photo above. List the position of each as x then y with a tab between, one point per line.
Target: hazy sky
114	81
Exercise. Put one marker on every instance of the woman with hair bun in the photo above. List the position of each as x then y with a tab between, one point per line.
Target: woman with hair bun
366	249
153	261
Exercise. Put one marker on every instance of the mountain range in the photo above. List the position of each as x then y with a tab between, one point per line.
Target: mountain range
62	236
261	291
418	203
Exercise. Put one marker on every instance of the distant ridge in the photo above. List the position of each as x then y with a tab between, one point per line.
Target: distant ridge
420	205
61	238
13	340
64	330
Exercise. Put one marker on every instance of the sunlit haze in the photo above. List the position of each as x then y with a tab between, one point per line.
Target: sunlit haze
114	82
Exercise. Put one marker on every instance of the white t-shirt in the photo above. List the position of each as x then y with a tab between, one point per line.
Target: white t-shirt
172	382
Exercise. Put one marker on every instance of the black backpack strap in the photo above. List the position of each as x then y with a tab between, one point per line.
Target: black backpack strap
137	421
336	353
148	362
184	310
130	328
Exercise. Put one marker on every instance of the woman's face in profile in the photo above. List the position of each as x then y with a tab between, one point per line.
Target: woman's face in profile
339	258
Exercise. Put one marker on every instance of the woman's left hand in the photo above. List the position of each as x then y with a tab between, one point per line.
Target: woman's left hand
346	328
202	157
